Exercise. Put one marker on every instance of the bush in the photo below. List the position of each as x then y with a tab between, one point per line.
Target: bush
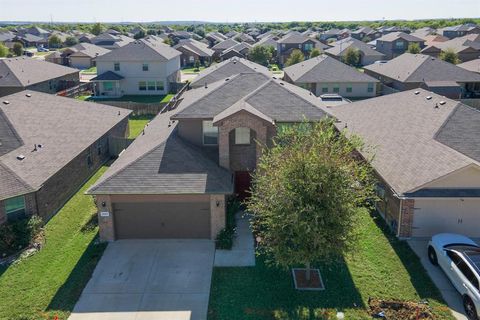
18	235
225	237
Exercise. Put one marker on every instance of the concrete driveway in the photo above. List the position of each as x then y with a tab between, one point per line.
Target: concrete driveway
449	293
149	279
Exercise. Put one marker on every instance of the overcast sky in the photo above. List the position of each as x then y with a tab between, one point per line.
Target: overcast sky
233	11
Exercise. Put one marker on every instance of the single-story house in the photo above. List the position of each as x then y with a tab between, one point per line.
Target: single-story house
367	54
82	55
325	75
50	146
426	156
193	50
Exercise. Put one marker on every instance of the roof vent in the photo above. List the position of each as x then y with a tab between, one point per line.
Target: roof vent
206	85
442	102
417	92
28	95
227	79
428	97
20	157
281	83
6	102
118	112
436	106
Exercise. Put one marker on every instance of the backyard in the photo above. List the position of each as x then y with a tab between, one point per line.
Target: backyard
49	283
91	70
381	267
132	98
137	123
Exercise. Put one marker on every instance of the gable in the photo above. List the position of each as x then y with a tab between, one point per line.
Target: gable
468	177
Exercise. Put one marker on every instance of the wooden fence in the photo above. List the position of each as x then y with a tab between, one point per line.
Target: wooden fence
76	90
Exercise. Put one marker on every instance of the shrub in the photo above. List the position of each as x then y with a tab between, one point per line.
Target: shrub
225	237
18	235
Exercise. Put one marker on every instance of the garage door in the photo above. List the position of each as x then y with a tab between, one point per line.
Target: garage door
162	220
446	215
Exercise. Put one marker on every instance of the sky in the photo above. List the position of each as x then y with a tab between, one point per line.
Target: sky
233	11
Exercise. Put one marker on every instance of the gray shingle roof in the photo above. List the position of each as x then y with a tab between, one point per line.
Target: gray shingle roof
340	48
107	76
23	72
469	41
472	65
421	68
225	44
195	46
392	36
405	135
226	69
325	69
64	127
87	49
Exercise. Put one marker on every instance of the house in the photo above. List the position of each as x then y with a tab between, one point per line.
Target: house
222	46
214	37
142	67
6	37
50	146
82	55
367	54
426	31
180	35
173	181
18	74
472	65
37	31
325	75
432	39
295	40
335	34
410	71
467	47
85	37
460	30
426	156
55	57
240	50
365	32
394	44
225	69
242	37
268	41
30	40
111	41
193	50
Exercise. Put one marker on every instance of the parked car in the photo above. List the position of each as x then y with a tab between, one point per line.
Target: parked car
28	53
42	49
459	257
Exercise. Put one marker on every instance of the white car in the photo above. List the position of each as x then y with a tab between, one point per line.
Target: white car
459	258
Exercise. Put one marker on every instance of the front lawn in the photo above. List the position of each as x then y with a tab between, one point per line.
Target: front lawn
381	267
137	123
50	282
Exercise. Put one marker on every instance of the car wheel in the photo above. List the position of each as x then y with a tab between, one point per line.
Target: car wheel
470	310
432	256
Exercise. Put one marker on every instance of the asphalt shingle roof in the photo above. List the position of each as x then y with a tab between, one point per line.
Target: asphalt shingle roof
225	44
392	36
195	46
340	48
472	65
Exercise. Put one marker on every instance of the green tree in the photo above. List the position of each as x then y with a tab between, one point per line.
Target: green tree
17	49
3	51
295	57
54	42
450	55
71	41
315	53
168	41
413	48
140	35
352	57
260	54
305	194
97	28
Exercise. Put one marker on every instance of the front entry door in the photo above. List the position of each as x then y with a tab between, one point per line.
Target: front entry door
243	180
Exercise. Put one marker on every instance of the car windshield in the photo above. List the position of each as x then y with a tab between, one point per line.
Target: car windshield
459	246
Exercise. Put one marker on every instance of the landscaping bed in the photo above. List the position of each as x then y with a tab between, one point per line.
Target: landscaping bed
399	310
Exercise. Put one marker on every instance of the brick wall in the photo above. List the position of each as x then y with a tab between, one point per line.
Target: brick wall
30	207
105	224
57	84
407	211
243	157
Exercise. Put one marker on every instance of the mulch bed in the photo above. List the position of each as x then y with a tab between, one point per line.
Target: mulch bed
399	310
301	282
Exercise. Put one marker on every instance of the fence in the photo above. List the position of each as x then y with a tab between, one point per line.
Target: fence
139	108
76	90
172	104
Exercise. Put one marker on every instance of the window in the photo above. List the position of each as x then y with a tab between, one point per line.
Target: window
142	86
370	87
455	257
242	136
15	208
325	90
191	59
308	46
160	86
145	67
116	66
151	85
349	89
399	44
336	89
468	273
108	86
210	133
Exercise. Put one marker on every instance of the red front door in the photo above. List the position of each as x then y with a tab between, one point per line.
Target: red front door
242	184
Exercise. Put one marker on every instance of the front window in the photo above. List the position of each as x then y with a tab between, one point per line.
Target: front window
145	67
336	89
399	45
142	86
160	86
349	89
242	136
308	46
325	90
370	87
191	59
151	86
116	66
15	208
108	86
210	133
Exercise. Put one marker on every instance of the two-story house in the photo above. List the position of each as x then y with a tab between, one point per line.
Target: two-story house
295	40
460	30
396	43
173	181
143	67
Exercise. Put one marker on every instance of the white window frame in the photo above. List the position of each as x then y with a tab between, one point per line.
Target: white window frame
242	136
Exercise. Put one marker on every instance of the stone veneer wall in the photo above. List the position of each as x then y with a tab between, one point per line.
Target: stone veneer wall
407	212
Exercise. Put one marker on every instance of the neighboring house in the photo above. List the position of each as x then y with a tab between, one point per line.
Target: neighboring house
467	47
386	30
222	46
426	156
143	67
30	40
394	44
193	50
432	39
410	71
17	74
50	146
6	37
85	37
269	41
367	54
460	30
240	50
82	55
424	32
295	40
55	57
111	41
37	31
326	75
335	34
227	69
472	65
173	181
242	37
363	32
214	37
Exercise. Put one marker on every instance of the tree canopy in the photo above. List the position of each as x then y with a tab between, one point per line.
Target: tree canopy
97	28
54	41
450	55
3	51
17	49
261	55
413	48
352	57
295	57
315	53
71	41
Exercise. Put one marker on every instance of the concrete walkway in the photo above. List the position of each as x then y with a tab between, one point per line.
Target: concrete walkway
243	250
449	293
149	279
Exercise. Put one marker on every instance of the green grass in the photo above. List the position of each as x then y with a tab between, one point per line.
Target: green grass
40	54
92	70
192	70
381	267
50	282
83	98
137	123
136	98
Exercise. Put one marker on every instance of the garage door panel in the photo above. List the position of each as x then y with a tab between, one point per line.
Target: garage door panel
162	220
